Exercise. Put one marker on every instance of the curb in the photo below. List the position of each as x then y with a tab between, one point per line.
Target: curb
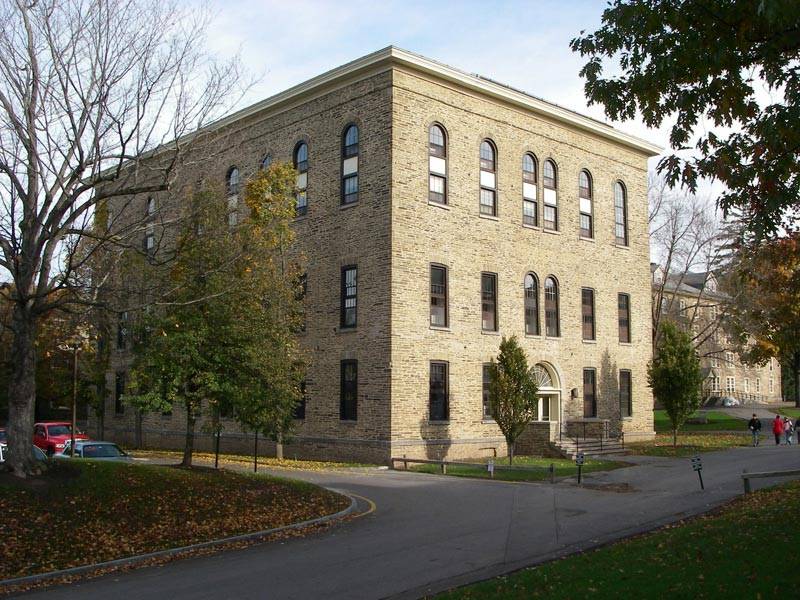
141	558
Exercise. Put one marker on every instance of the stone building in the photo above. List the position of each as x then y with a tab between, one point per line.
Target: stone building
439	211
695	302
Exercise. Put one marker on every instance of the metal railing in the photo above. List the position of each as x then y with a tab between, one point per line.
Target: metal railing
551	468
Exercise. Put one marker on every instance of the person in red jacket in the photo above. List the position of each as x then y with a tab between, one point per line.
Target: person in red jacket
777	429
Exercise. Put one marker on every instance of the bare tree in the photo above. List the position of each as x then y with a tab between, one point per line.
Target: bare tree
685	240
87	89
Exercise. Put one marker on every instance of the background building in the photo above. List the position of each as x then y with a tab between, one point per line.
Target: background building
439	211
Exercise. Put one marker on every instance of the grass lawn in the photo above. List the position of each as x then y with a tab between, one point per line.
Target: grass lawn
263	461
563	468
689	443
743	550
84	512
717	421
794	413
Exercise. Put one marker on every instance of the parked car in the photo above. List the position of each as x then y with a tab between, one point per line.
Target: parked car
51	436
37	453
728	401
95	450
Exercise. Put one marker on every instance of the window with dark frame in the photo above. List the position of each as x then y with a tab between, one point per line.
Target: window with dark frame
550	183
625	394
624	304
531	305
487	407
350	165
233	181
437	164
585	201
438	400
348	394
530	204
620	214
300	161
551	317
589	393
489	301
119	391
439	296
488	179
587	313
349	296
299	411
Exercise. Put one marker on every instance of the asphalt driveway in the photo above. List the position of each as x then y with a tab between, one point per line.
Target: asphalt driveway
429	532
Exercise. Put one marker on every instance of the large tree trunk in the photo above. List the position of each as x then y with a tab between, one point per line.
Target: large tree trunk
188	449
279	447
510	446
22	393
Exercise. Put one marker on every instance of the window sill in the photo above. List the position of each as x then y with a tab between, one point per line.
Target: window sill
556	338
586	239
533	227
485	421
348	421
438	422
626	343
348	205
592	342
551	231
484	332
346	329
622	247
438	205
627	418
439	328
533	336
488	217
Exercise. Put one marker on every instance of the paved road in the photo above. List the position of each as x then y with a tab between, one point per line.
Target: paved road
430	532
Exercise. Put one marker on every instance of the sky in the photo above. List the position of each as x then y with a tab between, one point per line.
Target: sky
521	44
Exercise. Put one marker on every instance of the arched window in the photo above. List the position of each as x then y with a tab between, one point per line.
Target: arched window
585	199
350	164
437	164
266	162
488	198
531	304
530	205
233	181
620	214
551	324
300	160
550	177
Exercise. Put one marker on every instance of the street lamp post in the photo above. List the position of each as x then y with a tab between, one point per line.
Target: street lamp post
75	343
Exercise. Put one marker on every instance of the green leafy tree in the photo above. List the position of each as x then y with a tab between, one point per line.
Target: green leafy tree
225	339
675	376
512	392
765	316
700	65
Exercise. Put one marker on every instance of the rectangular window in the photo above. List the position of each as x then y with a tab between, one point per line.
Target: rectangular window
489	301
437	189
488	204
299	411
625	395
587	312
771	385
758	386
589	393
730	385
438	402
624	304
545	410
350	189
119	390
122	330
150	244
438	296
747	386
487	408
550	217
348	391
529	212
348	297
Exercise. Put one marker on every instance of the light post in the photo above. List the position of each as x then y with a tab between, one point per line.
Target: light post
74	344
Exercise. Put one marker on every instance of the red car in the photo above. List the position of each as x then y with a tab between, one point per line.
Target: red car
51	436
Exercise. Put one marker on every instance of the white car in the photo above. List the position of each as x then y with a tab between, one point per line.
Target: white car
728	402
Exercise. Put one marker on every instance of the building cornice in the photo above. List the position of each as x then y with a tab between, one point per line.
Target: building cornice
392	56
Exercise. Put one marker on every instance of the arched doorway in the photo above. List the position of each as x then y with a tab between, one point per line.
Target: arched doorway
549	393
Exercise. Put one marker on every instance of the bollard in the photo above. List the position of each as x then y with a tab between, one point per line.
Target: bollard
552	473
444	468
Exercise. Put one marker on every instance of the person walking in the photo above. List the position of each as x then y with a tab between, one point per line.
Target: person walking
777	429
788	430
754	425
